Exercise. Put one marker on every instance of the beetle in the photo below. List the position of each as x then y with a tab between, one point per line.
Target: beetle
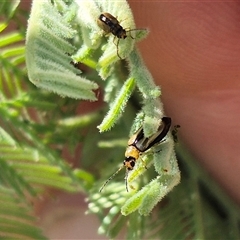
109	24
139	144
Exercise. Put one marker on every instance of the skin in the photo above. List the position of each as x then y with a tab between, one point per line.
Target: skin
193	53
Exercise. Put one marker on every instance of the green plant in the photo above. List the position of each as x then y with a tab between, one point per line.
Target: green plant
37	124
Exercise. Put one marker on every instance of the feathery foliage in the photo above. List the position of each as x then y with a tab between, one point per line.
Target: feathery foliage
31	121
36	125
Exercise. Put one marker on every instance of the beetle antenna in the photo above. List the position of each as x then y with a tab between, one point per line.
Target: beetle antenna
126	178
110	178
135	29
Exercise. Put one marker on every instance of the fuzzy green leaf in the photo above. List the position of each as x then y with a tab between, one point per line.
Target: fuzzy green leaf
118	106
47	53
